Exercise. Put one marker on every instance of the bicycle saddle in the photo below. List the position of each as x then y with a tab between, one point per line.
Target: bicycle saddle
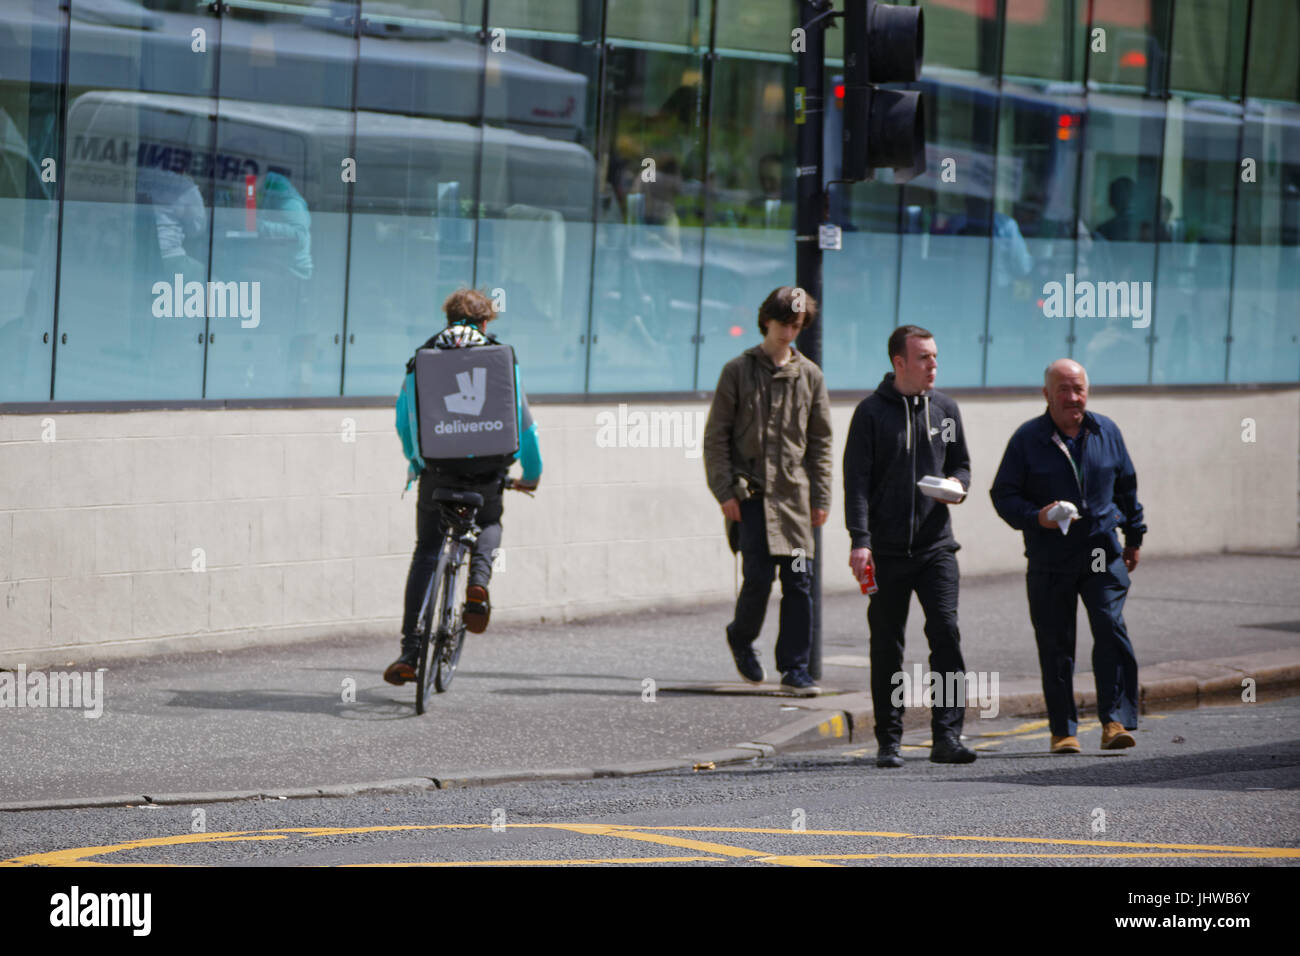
455	496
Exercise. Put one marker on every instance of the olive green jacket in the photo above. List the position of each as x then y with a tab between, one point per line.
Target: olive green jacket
774	425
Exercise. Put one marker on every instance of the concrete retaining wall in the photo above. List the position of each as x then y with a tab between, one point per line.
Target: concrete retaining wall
139	531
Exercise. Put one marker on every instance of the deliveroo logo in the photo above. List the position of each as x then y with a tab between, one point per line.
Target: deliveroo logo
471	395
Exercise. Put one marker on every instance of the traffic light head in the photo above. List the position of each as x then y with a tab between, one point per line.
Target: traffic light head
883	43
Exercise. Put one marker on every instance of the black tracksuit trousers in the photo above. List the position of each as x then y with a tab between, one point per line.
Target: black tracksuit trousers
934	578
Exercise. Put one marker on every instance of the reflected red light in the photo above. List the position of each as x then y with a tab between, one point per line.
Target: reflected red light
736	331
1133	58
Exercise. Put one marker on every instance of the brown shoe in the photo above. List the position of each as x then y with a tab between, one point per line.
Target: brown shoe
1065	745
400	672
477	609
1115	737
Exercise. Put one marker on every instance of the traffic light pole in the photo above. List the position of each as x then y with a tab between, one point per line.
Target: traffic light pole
810	206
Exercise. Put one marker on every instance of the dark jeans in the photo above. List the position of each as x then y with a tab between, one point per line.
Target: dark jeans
794	639
934	578
1053	605
429	531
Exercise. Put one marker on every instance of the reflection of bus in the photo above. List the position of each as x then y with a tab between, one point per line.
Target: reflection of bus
401	160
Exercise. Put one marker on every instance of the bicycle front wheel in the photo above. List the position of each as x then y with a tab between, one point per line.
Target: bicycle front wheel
425	679
451	633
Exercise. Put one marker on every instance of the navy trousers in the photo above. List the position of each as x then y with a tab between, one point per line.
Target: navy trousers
1053	604
759	567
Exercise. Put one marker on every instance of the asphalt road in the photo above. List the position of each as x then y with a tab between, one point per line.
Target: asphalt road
1213	786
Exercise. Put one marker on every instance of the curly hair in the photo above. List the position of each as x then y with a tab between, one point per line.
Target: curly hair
469	305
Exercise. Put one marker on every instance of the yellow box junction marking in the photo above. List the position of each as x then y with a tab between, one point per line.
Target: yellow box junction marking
702	850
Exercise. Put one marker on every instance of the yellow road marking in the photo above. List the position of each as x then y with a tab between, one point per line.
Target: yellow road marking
574	862
1018	729
662	835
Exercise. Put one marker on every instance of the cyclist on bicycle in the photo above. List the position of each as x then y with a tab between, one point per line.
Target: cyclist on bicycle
468	313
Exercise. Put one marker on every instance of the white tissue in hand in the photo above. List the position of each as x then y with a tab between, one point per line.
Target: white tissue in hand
1063	514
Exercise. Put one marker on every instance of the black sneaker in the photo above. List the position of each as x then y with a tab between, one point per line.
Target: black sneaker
949	749
748	664
888	756
800	684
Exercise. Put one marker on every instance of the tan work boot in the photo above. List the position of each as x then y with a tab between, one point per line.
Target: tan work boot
1115	737
1065	745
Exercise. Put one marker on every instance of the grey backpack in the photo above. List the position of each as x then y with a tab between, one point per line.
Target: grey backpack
466	407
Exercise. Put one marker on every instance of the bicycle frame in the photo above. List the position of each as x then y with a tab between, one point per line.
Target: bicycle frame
439	622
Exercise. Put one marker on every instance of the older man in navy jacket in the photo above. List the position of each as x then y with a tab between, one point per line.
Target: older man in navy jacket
1070	456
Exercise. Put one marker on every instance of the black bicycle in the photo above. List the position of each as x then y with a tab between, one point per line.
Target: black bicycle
440	628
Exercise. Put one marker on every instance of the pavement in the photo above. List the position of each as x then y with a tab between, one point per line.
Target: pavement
610	697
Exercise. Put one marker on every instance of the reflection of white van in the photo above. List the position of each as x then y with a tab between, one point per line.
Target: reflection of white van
403	163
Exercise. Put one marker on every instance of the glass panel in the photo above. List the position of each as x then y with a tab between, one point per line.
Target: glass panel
749	249
419	80
280	228
1132	32
538	185
1035	231
1265	329
1045	39
646	286
1266	272
138	195
860	281
947	225
1113	279
678	22
1195	212
1208	44
759	25
31	49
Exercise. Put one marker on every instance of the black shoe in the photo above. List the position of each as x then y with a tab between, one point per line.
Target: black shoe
404	668
800	684
888	756
748	664
949	749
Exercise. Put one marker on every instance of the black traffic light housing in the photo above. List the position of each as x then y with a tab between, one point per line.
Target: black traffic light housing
883	43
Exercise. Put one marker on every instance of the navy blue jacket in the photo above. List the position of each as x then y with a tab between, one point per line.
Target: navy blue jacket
893	442
1035	472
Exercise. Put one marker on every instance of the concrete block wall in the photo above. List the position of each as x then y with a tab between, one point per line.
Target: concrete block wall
141	531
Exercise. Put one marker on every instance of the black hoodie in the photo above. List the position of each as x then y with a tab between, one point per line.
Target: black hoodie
894	441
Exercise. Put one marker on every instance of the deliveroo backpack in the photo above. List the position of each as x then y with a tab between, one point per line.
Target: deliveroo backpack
465	406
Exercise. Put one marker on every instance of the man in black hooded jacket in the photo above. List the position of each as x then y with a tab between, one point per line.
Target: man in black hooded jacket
901	433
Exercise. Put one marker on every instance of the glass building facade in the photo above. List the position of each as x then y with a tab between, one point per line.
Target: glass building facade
257	200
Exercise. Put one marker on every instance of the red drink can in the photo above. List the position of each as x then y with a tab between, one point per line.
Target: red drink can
868	580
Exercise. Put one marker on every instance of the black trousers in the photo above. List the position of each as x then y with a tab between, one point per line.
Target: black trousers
1053	605
759	567
429	531
934	578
